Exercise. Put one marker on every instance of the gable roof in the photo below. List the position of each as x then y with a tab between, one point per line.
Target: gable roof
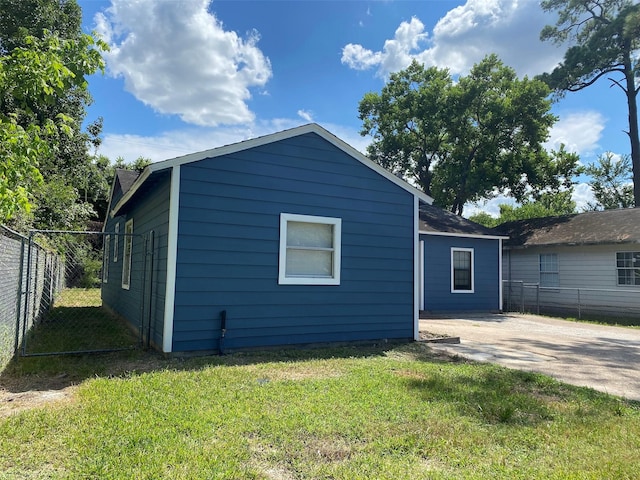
122	182
126	178
437	221
589	228
259	141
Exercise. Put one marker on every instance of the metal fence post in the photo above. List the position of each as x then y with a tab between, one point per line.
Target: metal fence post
538	298
522	297
579	306
19	295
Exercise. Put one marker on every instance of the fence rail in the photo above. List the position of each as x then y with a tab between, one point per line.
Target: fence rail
524	297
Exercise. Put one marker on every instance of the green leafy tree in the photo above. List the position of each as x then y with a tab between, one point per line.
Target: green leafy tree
37	73
548	204
461	142
56	23
611	182
604	37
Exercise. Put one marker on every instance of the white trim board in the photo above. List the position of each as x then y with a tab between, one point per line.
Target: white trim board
172	256
416	269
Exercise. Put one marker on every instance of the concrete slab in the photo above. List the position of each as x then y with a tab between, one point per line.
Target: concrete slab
601	357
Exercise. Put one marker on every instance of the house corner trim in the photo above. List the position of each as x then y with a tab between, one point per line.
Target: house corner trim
172	254
416	268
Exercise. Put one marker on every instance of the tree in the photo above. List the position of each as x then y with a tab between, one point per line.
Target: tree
22	22
605	36
611	182
461	142
36	74
549	204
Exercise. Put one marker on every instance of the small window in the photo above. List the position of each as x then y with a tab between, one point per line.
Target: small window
126	257
116	241
628	265
309	250
549	273
462	270
105	259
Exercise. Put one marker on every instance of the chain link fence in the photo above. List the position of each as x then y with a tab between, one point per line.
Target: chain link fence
570	301
12	275
50	295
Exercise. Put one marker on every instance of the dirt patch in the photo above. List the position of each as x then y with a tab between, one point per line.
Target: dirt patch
12	403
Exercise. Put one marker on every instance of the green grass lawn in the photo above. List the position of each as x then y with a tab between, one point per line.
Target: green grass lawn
78	322
389	412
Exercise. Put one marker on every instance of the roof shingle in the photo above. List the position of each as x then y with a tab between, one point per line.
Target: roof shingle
589	228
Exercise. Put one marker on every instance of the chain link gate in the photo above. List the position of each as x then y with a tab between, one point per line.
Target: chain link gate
62	296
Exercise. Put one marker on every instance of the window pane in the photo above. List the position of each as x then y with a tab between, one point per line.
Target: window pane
624	259
300	234
549	279
549	262
309	263
461	270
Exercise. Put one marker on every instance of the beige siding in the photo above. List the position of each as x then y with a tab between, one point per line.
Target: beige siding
589	269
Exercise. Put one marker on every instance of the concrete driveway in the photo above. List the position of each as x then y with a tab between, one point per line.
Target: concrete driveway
601	357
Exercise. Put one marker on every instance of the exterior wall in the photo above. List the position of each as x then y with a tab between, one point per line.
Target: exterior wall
589	268
228	249
143	299
437	274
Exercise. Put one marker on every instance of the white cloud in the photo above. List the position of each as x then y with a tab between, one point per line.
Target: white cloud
582	195
580	132
177	58
305	115
463	37
396	53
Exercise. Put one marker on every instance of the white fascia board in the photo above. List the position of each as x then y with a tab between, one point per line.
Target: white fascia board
264	140
465	235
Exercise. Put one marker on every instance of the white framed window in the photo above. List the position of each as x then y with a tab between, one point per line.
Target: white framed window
310	249
462	270
105	259
549	272
126	254
628	266
116	241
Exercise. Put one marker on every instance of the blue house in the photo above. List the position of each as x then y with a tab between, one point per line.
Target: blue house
290	238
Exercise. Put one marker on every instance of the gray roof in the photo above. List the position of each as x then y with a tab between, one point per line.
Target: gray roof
589	228
436	220
126	178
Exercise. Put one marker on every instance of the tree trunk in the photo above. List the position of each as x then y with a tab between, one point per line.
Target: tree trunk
632	102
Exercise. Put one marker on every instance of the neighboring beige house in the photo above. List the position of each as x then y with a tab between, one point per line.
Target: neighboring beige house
587	263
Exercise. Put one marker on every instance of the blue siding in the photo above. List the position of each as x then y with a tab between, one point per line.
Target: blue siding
437	274
228	245
144	299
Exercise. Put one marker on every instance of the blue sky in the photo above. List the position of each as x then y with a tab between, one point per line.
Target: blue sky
189	75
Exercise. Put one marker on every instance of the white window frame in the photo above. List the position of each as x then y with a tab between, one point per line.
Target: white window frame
116	241
473	270
106	258
548	273
334	279
633	268
127	254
